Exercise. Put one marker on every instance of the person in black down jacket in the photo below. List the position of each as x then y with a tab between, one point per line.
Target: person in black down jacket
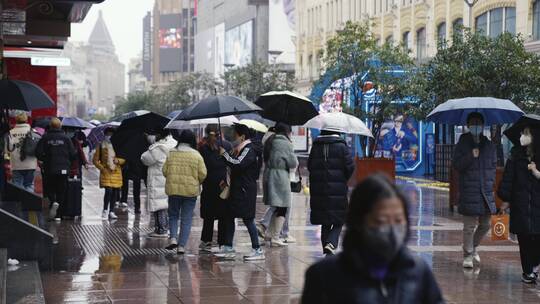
375	265
475	158
245	163
520	189
56	151
330	166
212	206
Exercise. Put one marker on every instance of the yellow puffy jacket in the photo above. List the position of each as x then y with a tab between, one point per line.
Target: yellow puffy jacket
108	178
184	171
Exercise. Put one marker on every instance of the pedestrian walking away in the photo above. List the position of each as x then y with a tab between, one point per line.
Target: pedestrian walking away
110	177
213	206
56	152
375	266
280	162
520	190
330	166
156	198
184	171
475	159
23	166
245	163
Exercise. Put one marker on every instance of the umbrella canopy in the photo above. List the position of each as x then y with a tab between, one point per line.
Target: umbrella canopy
148	122
514	132
96	135
255	125
76	123
287	107
95	122
173	114
129	144
23	95
494	110
217	106
201	123
130	115
339	122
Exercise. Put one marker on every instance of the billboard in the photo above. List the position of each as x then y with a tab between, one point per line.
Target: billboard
282	28
239	45
170	42
147	46
219	45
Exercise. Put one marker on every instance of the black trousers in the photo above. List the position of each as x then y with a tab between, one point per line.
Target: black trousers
136	192
109	198
207	233
57	188
330	234
529	251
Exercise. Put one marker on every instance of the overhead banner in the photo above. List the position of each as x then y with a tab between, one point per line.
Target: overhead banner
170	43
282	28
239	45
147	46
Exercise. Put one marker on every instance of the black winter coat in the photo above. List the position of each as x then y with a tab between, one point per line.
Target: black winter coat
212	206
343	279
56	151
245	171
521	189
476	176
330	166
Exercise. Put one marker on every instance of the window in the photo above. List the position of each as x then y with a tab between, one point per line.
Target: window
421	45
441	32
405	39
390	40
497	21
457	26
536	20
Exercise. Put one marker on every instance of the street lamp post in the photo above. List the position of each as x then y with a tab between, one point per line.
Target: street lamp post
471	4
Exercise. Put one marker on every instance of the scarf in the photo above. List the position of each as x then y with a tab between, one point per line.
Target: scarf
111	155
240	147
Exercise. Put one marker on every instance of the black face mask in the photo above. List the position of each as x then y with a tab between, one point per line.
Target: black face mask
384	241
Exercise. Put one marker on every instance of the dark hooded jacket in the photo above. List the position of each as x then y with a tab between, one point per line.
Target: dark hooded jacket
245	170
521	189
56	151
330	166
476	176
212	206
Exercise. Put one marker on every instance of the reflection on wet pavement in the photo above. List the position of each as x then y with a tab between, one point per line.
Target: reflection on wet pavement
113	262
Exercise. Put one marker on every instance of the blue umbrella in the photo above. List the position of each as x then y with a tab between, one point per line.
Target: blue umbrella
76	122
495	111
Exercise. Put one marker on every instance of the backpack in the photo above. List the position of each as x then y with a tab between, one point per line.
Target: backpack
29	144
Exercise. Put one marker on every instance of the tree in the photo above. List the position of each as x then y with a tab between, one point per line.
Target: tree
477	65
354	54
257	78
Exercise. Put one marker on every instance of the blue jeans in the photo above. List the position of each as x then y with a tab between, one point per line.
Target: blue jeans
181	207
24	178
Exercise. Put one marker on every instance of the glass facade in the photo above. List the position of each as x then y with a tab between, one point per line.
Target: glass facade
421	43
405	39
536	20
497	21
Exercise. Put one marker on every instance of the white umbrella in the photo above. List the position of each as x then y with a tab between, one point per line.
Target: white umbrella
339	122
201	123
255	125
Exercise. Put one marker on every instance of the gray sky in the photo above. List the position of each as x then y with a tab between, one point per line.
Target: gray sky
124	20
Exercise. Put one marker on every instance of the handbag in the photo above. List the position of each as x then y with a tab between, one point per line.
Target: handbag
296	186
225	186
500	227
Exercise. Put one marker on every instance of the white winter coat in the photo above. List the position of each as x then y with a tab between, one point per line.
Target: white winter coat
15	137
154	159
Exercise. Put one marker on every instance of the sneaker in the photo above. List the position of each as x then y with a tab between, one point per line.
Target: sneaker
528	278
278	243
289	239
468	262
112	215
205	246
105	214
53	210
58	219
172	244
255	255
158	235
261	230
329	249
123	205
180	250
476	258
226	252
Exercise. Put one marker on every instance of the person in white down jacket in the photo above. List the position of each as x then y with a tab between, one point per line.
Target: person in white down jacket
157	199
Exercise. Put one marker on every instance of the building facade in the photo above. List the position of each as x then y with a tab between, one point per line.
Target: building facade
172	35
137	81
418	24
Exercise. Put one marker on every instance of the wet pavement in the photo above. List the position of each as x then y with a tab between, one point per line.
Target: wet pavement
100	261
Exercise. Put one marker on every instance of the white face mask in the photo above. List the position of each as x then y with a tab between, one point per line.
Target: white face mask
525	140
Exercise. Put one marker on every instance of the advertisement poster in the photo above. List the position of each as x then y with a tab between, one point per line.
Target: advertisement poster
170	38
170	43
239	45
281	36
399	139
299	138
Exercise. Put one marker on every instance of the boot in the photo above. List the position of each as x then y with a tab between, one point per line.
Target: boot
275	229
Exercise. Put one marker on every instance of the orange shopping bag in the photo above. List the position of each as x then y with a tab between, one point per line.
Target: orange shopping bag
500	227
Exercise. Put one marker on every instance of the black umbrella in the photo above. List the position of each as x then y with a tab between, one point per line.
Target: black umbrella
527	120
131	114
217	106
287	107
148	122
23	95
